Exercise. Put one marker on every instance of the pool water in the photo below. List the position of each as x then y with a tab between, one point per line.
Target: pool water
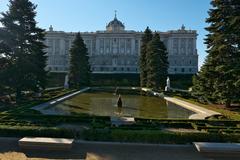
104	104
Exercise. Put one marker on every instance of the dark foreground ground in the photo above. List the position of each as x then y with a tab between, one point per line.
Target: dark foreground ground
117	151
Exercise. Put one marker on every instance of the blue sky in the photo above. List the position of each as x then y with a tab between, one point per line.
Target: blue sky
92	15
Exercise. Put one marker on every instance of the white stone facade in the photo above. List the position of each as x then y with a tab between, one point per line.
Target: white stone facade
117	50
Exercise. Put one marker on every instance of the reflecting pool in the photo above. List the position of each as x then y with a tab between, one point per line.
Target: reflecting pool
105	104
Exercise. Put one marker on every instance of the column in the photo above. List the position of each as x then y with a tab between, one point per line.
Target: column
118	39
97	46
194	45
179	46
139	46
104	46
110	46
169	48
125	46
132	45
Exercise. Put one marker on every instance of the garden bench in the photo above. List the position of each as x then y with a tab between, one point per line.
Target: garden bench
45	143
208	147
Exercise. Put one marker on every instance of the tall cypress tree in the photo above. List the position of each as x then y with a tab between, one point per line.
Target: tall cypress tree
79	75
221	69
146	38
25	42
157	63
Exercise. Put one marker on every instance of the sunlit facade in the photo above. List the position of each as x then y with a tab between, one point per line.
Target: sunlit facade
116	50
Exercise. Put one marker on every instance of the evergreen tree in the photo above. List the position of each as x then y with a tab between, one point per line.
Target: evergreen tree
219	78
203	82
5	64
147	37
23	42
79	75
157	63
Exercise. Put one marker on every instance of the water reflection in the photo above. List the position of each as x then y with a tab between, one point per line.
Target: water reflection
102	103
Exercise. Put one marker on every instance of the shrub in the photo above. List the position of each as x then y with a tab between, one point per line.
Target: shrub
20	131
147	136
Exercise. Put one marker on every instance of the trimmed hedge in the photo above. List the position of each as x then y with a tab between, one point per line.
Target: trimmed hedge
181	81
121	79
55	79
21	131
119	90
104	121
120	135
25	107
147	136
203	121
145	130
51	120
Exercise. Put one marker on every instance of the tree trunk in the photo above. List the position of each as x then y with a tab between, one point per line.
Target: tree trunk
18	95
228	103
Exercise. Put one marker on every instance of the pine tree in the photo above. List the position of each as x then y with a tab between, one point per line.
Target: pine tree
157	63
147	37
79	75
25	42
203	82
219	78
5	64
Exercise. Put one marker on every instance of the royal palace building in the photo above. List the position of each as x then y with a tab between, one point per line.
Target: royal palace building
116	50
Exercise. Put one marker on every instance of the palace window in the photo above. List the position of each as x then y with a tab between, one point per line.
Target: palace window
183	70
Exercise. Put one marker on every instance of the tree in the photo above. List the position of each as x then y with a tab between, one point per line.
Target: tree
146	38
79	75
23	48
5	65
219	78
203	82
157	63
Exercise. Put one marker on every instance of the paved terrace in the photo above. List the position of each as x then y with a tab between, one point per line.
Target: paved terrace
116	151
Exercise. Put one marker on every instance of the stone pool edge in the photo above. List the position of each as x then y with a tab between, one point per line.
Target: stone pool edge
201	113
42	106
